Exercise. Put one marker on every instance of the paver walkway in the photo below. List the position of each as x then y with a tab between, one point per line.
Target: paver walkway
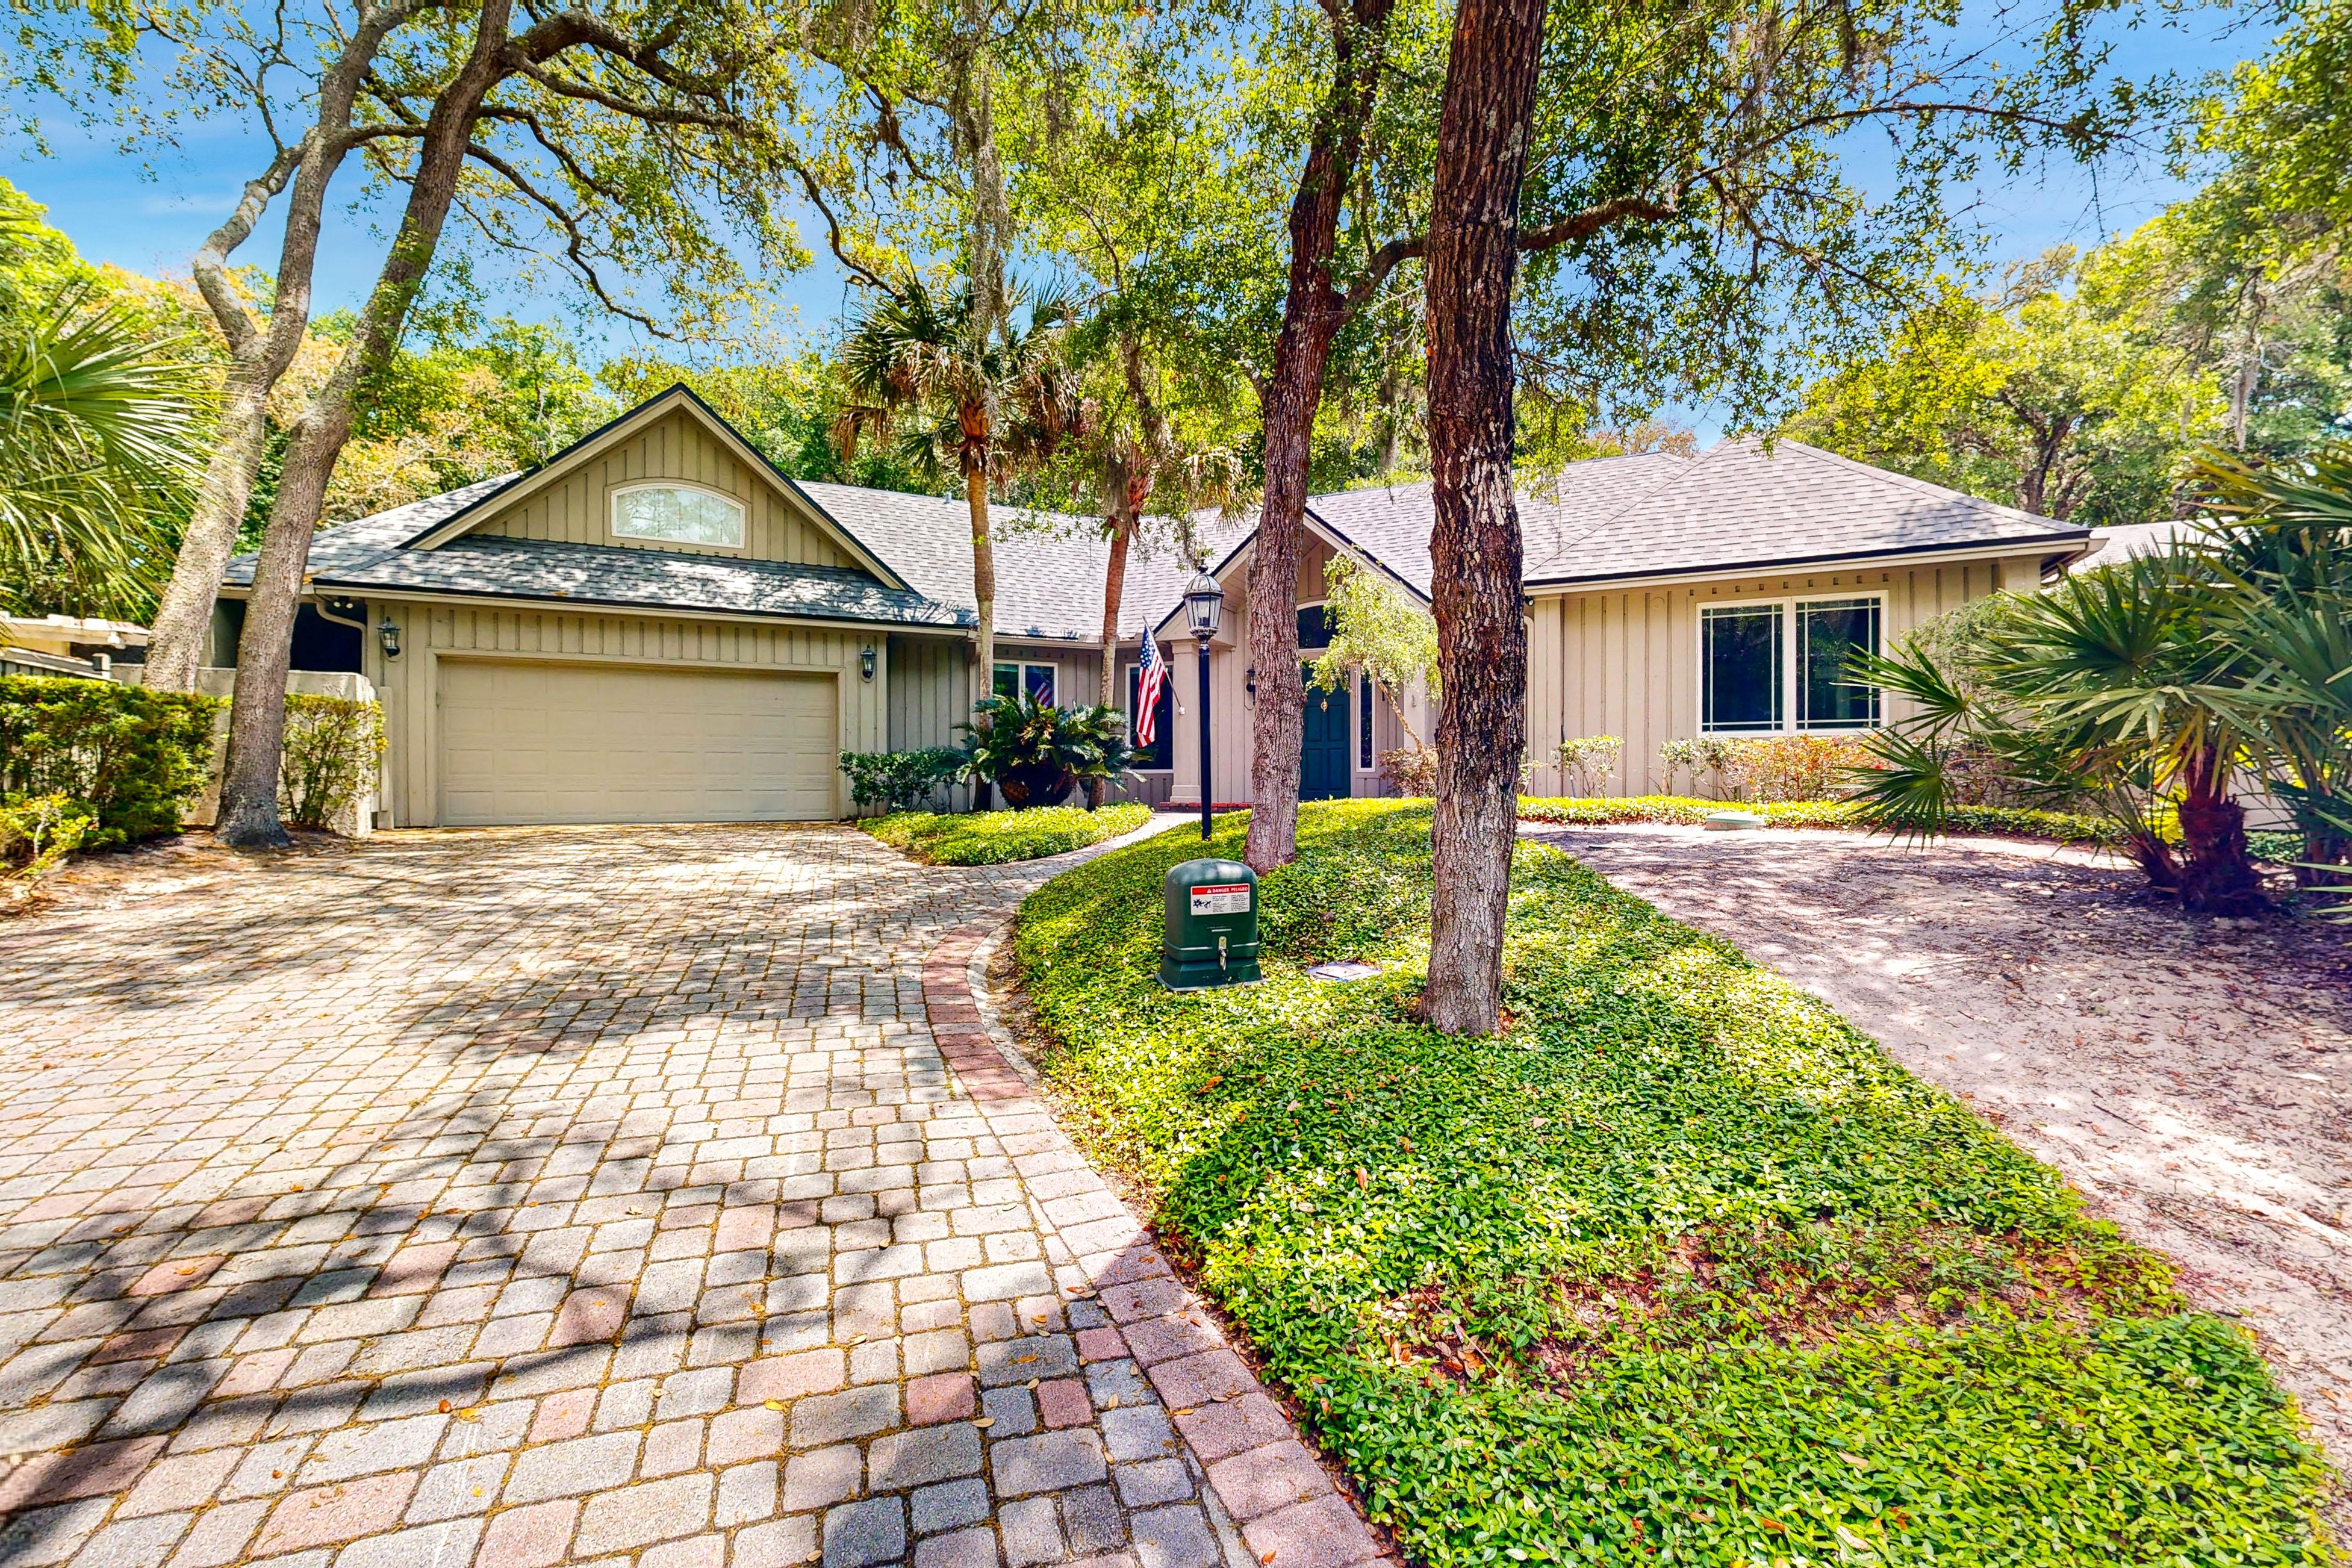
525	1197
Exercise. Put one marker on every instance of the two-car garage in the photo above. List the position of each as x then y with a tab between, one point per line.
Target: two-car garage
529	741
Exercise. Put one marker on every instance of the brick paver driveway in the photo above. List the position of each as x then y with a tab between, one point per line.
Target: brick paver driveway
585	1195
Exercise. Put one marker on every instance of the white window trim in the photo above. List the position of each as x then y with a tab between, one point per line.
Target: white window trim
613	513
1367	717
1127	698
1021	676
1786	605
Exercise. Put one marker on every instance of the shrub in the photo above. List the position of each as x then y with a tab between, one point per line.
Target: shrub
1035	753
333	747
36	832
1000	837
2066	827
1683	1269
1707	754
129	758
901	781
1412	769
1591	761
1796	767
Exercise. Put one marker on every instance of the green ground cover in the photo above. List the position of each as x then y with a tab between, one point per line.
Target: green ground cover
998	838
1682	1271
2066	827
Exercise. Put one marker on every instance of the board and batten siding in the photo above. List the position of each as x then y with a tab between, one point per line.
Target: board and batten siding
430	631
1621	662
577	505
1624	662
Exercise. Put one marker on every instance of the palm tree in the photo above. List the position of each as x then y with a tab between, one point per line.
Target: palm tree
934	360
99	425
2120	688
2284	547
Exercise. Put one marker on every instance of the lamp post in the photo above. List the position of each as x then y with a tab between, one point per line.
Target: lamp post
1203	603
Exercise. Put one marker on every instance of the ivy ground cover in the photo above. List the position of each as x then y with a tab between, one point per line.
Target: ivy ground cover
1683	1269
1000	837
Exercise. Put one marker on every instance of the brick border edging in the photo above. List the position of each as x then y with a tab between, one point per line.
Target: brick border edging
1261	1472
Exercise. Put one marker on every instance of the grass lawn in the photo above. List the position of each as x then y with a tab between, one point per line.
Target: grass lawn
1682	1271
996	838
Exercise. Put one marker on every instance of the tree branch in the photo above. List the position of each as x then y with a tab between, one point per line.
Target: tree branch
576	242
210	264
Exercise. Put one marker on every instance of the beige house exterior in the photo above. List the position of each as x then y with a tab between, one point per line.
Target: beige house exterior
658	625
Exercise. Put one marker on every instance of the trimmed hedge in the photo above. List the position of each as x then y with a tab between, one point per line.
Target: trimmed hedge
998	838
129	758
2065	827
1682	1270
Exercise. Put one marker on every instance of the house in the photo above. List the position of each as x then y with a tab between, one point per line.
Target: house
69	644
658	626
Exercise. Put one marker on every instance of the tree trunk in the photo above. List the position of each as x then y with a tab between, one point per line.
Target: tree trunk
1121	528
1482	150
983	572
248	802
259	357
1312	313
183	617
2217	869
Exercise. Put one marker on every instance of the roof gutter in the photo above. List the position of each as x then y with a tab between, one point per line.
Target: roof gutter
375	593
2078	539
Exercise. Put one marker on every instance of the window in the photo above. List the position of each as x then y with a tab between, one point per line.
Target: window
1161	755
677	514
1363	720
1767	667
1036	680
1829	633
1739	667
1314	628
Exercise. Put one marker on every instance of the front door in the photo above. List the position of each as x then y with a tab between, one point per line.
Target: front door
1323	746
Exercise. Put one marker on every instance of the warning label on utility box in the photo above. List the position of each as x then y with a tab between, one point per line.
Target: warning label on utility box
1221	899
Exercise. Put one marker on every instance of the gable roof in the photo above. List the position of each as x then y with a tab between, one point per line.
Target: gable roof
1740	507
677	397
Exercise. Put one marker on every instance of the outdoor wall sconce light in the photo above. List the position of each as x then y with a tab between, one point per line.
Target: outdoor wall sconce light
1249	684
865	662
388	634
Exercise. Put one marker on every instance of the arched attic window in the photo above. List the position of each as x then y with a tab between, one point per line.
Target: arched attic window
677	514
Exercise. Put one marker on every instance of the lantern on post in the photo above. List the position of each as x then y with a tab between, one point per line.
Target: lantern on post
1204	603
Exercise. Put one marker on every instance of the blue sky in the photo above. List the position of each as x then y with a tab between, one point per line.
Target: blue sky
148	213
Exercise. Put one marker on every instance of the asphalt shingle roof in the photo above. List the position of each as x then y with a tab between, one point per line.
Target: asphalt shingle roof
1049	566
1393	524
1739	506
1645	515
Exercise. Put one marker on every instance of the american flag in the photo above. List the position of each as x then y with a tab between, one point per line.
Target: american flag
1150	679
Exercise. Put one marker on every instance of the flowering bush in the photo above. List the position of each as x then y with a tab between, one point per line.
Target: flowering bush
1797	767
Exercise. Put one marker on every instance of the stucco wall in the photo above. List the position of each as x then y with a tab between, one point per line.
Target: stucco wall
430	631
578	506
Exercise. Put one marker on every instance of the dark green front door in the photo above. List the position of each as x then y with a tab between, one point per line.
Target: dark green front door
1323	746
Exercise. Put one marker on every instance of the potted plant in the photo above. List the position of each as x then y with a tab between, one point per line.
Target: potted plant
1035	753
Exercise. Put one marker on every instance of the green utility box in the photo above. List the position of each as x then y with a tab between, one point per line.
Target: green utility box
1211	935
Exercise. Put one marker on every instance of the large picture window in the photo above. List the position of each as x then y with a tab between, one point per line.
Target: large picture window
1161	755
1739	667
1770	667
677	514
1036	680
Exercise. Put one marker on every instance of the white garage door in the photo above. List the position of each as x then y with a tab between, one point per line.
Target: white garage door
583	743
